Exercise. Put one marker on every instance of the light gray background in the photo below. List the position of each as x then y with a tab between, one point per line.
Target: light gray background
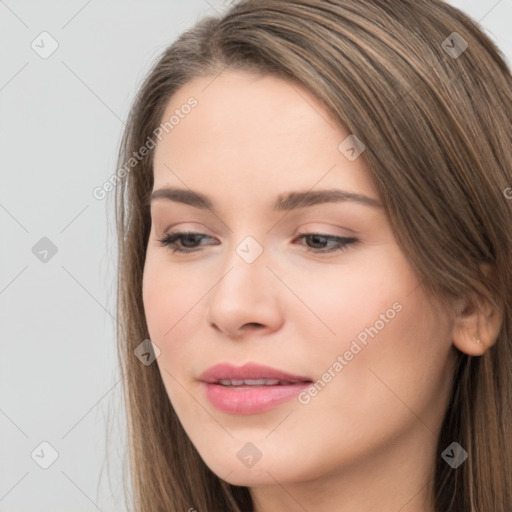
62	119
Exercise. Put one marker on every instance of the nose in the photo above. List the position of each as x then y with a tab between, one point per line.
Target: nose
247	298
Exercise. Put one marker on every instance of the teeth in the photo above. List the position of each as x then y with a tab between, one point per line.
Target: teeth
251	382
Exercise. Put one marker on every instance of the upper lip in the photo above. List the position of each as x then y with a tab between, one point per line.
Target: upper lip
226	371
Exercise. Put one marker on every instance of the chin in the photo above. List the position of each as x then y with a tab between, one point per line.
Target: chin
264	472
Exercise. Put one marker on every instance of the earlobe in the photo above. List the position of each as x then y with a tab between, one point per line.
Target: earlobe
476	326
472	345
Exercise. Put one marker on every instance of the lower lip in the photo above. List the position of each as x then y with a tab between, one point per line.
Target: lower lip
251	399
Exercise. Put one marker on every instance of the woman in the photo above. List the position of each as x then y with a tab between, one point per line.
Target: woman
316	223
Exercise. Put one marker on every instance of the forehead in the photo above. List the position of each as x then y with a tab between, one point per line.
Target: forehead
256	131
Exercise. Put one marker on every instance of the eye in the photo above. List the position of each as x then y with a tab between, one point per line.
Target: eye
341	243
187	239
186	242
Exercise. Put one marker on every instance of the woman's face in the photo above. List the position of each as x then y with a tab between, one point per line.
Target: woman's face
373	361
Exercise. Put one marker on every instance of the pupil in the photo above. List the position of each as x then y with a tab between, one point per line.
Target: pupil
316	239
189	238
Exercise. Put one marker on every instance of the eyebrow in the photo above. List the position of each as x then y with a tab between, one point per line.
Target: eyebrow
284	202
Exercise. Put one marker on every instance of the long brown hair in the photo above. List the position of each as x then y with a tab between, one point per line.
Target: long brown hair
435	117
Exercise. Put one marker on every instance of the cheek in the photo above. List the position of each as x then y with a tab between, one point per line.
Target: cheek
174	307
363	295
169	299
395	360
376	318
155	295
166	294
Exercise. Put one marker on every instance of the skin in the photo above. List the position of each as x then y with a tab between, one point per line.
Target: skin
367	440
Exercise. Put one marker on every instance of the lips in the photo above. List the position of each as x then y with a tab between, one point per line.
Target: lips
251	388
250	374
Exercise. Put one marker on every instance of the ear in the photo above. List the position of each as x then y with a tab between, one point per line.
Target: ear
478	322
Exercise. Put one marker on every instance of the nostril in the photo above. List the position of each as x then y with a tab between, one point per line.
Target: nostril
253	324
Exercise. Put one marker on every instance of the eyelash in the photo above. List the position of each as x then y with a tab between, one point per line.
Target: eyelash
169	240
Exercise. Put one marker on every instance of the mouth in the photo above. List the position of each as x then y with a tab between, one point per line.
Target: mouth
252	382
250	374
251	388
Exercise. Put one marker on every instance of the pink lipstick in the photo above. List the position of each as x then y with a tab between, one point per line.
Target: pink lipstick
251	388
